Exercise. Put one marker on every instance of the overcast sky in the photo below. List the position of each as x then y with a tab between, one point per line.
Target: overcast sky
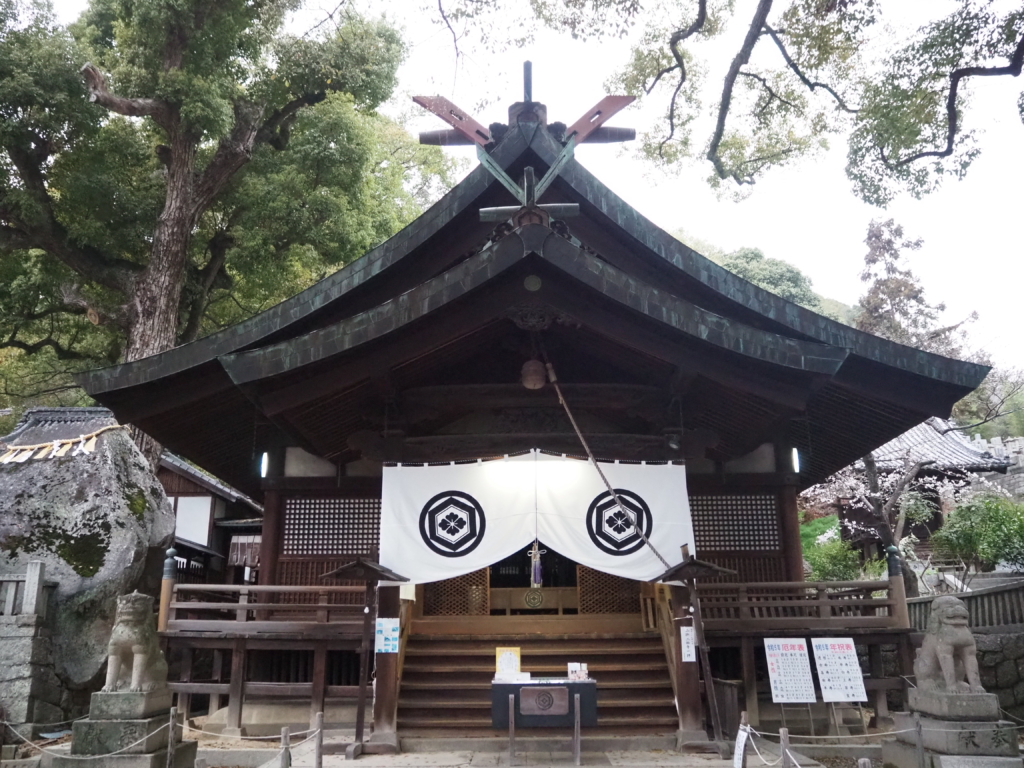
972	256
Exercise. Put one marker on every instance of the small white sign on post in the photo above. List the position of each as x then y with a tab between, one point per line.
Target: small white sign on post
386	637
839	672
688	643
741	743
789	670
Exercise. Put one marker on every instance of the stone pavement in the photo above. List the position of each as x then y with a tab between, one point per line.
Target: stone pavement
650	759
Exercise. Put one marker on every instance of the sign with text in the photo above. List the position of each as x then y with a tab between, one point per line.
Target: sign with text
687	643
839	672
386	637
789	670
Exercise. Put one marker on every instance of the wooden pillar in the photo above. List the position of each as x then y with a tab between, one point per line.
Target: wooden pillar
218	667
691	712
789	519
271	538
385	702
185	699
749	679
319	680
236	690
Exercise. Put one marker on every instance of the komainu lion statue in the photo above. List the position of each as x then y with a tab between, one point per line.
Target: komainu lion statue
135	661
948	654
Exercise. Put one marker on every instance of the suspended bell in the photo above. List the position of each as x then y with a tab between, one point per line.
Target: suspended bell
534	375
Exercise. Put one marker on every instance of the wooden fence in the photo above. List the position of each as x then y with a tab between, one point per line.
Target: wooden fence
26	593
825	605
988	607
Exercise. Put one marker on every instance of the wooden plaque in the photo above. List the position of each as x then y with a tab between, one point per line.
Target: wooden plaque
543	701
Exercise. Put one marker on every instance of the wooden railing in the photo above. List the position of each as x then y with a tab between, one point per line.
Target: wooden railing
988	607
251	610
825	605
26	593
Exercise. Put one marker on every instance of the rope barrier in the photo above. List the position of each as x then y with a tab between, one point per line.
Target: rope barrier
84	757
751	732
248	738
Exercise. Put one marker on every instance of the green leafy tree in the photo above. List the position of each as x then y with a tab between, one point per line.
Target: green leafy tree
779	277
802	72
203	167
982	532
110	173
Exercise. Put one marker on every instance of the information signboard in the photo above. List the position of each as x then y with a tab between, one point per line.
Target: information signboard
839	672
688	644
789	670
386	637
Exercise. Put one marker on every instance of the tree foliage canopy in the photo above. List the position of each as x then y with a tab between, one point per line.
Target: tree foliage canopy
752	85
169	167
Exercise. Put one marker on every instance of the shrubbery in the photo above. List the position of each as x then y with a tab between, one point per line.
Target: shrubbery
982	532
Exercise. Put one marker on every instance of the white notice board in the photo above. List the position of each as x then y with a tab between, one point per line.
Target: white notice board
789	670
839	672
386	637
687	644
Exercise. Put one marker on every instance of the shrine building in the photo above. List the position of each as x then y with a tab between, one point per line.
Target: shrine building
527	321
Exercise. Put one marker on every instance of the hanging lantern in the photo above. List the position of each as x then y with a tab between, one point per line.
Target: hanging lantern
534	375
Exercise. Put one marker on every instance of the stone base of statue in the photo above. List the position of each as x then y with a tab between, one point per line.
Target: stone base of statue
958	730
133	725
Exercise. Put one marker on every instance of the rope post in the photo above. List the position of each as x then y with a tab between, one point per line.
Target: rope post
787	761
919	740
286	750
171	733
741	739
318	743
864	762
511	729
167	589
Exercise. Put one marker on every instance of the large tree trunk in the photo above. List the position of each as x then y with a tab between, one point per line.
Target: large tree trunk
155	292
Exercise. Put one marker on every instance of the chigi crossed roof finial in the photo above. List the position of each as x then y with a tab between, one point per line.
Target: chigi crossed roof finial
465	130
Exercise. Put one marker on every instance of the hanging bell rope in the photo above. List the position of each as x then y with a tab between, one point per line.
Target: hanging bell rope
630	515
17	454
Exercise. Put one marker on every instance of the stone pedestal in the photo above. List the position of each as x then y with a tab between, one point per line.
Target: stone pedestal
132	724
958	730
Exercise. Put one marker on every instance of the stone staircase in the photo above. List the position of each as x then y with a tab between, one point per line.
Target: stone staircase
446	681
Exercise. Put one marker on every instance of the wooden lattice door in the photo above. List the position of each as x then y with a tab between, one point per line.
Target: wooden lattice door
467	595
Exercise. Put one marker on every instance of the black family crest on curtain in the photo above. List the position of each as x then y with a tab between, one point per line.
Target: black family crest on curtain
442	521
616	530
452	524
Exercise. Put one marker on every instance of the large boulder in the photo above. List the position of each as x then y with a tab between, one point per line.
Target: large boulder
97	518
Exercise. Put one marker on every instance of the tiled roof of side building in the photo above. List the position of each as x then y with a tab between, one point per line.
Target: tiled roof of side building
935	440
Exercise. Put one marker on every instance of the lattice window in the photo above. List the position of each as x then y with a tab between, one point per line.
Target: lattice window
735	521
750	568
330	526
600	592
467	595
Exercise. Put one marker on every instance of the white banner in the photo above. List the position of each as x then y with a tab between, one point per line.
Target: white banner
438	522
839	672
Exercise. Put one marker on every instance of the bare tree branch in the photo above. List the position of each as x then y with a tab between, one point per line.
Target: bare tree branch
767	87
99	92
812	84
1012	69
757	23
673	45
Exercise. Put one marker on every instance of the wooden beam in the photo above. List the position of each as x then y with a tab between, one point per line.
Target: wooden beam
597	116
789	527
319	692
272	537
236	690
691	711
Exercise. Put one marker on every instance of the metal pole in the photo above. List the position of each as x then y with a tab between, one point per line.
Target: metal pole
576	747
787	762
318	742
172	727
286	750
527	81
511	729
